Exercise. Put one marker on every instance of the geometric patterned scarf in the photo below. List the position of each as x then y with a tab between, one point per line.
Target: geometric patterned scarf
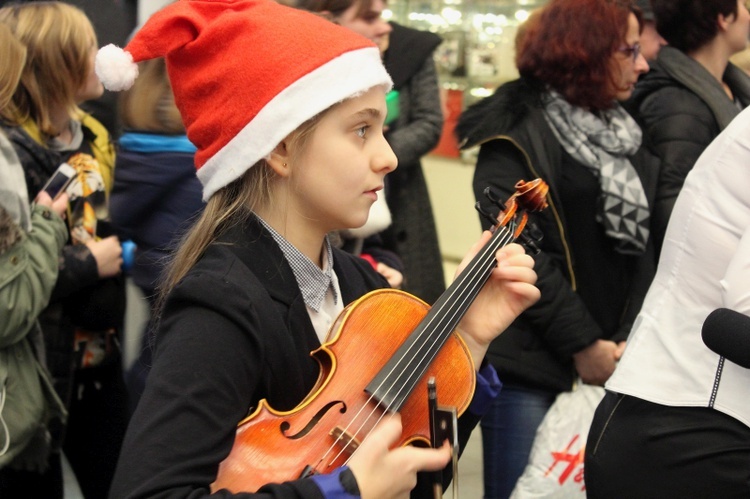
603	143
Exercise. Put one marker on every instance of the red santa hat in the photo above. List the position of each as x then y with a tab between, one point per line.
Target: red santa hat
245	74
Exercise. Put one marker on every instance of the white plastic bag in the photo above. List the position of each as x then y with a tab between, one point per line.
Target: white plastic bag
555	469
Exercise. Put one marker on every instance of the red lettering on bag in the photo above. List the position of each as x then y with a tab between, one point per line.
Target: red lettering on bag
573	460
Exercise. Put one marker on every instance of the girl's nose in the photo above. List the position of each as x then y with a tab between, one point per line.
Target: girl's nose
385	159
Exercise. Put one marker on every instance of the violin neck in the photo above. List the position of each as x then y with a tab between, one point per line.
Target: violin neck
398	377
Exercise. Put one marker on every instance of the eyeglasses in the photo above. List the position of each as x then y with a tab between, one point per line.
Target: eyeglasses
631	50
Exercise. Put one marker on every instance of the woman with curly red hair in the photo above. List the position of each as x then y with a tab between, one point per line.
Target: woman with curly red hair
561	121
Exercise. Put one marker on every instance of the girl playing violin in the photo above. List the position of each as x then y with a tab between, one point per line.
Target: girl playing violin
289	130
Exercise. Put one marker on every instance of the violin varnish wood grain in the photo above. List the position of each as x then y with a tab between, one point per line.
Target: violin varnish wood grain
273	446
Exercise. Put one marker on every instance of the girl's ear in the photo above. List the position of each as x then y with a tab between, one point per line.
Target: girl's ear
279	160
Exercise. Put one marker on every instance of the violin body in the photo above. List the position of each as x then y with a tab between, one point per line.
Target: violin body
273	446
377	359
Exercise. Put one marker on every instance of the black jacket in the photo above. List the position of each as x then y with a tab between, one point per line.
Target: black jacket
234	331
516	143
413	234
681	108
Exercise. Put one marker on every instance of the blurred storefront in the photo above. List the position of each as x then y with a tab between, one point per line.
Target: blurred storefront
477	53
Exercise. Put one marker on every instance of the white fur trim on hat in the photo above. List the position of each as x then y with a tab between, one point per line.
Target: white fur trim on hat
115	68
345	76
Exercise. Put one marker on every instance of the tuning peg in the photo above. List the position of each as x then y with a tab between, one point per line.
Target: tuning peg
490	194
533	231
529	243
486	214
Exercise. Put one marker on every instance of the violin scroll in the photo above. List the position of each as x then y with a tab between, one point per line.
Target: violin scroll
532	195
529	197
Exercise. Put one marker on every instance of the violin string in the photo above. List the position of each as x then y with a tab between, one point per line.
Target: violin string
483	259
470	273
454	307
486	255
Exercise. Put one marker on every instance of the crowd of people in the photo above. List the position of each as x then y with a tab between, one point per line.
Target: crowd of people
272	182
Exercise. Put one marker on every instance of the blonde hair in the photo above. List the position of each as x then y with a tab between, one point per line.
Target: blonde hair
229	206
59	39
13	56
149	105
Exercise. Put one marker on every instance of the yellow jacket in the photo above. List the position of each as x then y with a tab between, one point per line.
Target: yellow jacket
102	147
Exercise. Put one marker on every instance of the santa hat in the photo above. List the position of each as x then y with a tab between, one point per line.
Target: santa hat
245	74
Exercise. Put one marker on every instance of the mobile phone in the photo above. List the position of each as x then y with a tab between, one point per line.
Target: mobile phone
59	180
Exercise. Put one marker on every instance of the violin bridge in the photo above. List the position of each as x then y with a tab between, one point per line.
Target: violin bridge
345	439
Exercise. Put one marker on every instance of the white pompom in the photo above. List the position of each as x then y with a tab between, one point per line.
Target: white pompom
115	68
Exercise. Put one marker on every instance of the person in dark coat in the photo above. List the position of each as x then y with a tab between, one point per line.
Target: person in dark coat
413	235
651	41
156	195
692	91
595	260
290	147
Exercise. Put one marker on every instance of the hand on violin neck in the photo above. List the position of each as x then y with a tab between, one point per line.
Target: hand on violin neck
383	472
508	292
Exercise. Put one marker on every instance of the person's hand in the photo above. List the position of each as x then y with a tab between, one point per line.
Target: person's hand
596	363
59	205
509	291
388	473
108	255
620	350
393	276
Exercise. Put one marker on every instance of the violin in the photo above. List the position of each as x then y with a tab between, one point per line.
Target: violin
377	359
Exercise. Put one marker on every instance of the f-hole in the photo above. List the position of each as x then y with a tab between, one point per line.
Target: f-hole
284	427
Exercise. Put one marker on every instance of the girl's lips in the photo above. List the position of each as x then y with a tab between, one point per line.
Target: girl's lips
374	192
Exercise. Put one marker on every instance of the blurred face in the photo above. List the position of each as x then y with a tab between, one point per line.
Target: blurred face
628	62
370	24
738	28
651	41
344	163
92	88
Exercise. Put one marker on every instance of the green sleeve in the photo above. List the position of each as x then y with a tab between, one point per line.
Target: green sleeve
28	271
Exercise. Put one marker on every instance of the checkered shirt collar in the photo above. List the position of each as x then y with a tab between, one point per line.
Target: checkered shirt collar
313	281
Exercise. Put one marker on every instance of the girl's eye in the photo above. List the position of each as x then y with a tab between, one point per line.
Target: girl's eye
362	131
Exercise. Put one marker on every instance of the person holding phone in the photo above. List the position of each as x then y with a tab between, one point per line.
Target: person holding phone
59	181
31	238
83	322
